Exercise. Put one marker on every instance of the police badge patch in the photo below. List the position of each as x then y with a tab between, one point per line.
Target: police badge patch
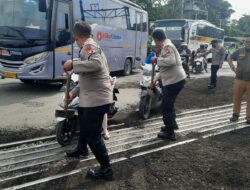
88	49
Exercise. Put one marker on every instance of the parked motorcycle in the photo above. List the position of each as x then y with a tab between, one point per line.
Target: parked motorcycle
67	116
149	98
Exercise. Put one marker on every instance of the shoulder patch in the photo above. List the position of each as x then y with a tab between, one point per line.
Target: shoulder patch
88	49
167	49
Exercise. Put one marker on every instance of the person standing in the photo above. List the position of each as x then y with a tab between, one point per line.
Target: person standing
95	96
241	84
186	54
218	55
173	77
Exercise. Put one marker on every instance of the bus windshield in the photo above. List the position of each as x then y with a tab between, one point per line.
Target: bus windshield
173	28
21	19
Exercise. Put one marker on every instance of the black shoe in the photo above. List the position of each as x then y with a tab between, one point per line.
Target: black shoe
106	174
77	153
167	135
163	128
211	86
234	118
176	126
248	122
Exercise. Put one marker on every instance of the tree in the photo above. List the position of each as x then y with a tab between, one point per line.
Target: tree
244	23
219	11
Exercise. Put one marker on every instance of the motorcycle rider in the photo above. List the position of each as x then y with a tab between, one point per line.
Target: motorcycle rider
201	49
155	52
186	53
173	77
200	52
95	95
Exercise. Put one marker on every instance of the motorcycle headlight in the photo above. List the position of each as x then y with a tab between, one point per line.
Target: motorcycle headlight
36	58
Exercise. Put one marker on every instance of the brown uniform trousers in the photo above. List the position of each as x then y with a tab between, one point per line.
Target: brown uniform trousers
240	88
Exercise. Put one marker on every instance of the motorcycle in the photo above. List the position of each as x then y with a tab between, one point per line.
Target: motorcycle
199	64
149	98
67	116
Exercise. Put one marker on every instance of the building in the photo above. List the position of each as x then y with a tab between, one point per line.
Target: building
195	9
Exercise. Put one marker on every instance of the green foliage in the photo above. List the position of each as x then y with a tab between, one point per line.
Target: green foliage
219	12
244	24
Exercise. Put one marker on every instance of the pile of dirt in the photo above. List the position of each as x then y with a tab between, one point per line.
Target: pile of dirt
217	163
195	95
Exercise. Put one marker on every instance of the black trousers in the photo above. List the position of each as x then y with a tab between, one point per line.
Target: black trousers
90	120
170	93
214	70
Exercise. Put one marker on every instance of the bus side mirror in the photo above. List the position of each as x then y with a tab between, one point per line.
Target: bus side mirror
42	6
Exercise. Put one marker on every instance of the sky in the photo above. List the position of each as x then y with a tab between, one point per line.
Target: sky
240	7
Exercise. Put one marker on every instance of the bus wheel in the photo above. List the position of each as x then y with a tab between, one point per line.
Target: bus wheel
127	67
27	81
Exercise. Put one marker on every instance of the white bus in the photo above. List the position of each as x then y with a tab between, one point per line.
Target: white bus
193	32
36	35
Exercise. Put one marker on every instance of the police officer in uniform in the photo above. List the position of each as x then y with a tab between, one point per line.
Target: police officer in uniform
218	56
173	77
95	95
241	84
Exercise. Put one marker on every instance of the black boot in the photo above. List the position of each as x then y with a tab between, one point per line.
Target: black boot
167	135
234	118
164	128
106	174
176	125
77	153
211	86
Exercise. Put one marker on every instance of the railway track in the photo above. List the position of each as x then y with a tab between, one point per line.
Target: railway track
36	163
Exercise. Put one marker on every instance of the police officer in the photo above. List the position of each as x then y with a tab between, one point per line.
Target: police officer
218	55
173	77
95	95
241	84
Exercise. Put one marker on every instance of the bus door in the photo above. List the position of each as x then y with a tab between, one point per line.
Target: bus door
63	38
138	39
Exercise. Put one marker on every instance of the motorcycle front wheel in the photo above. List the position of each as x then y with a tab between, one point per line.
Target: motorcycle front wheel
65	131
198	69
144	108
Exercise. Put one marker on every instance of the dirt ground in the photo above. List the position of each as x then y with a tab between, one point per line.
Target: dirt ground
195	95
208	164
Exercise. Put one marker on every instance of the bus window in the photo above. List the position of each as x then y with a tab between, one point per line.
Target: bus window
144	23
62	25
139	22
132	19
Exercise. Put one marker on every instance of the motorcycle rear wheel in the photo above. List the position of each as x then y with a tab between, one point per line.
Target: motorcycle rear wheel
145	107
65	131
